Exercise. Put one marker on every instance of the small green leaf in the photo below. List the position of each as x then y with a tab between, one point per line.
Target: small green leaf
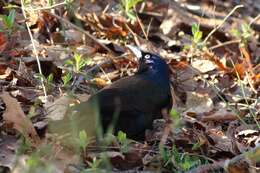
197	36
127	7
69	62
50	2
236	33
196	146
174	114
11	17
50	78
66	78
77	58
194	28
132	3
131	15
176	154
79	62
246	31
4	19
121	136
245	27
82	135
83	139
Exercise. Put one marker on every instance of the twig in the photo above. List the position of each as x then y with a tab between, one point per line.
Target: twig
83	31
142	26
224	44
255	19
134	35
202	156
103	71
245	98
223	21
149	26
45	8
209	167
34	49
81	78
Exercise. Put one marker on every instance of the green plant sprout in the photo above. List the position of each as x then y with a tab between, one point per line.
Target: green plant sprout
35	162
122	139
243	33
66	79
74	65
48	82
196	36
176	118
127	8
83	140
77	63
8	21
181	161
94	166
50	2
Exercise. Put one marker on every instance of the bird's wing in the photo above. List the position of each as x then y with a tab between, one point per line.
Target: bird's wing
132	93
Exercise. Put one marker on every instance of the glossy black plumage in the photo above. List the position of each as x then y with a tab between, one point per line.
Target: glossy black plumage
137	99
132	103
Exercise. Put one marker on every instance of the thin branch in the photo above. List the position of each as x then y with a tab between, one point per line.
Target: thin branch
224	44
45	8
255	19
223	21
83	31
34	49
141	25
148	28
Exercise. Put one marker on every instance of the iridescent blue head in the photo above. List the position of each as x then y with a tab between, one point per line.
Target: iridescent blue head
151	65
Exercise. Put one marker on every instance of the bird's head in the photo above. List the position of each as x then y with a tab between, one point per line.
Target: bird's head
149	63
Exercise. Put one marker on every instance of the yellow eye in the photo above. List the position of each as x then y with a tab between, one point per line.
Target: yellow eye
147	56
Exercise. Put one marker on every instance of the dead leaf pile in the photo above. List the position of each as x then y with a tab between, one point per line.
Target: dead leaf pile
81	48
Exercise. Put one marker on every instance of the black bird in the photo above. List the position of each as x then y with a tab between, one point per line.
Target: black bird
129	104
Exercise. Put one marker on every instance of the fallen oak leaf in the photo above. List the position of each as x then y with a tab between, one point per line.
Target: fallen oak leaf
15	116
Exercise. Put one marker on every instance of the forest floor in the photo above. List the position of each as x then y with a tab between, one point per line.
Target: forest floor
54	53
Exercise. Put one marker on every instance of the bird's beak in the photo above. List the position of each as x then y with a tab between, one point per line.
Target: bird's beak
137	52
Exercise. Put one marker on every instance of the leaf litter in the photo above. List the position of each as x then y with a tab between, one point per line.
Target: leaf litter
216	91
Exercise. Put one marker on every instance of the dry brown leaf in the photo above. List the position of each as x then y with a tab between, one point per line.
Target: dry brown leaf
3	42
100	82
247	57
215	59
198	102
203	65
15	116
221	115
240	70
7	73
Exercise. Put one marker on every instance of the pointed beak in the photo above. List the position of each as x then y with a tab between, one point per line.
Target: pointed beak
137	52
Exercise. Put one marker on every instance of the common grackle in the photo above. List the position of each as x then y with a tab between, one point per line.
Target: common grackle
129	104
